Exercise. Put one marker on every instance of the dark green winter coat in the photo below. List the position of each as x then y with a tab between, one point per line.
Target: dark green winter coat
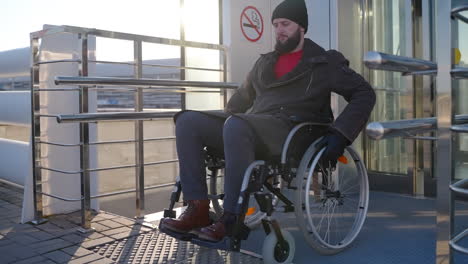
273	106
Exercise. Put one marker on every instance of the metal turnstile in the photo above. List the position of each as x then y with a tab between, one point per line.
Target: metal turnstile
444	123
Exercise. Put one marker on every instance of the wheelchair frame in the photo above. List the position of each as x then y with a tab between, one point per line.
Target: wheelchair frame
255	182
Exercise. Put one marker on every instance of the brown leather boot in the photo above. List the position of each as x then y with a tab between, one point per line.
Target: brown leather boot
219	229
196	215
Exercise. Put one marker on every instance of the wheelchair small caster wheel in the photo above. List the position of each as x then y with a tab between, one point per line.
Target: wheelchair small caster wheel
274	252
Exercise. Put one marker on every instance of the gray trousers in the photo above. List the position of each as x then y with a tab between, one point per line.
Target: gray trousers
233	137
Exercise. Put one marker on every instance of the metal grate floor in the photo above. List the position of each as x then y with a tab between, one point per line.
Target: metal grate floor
156	247
398	229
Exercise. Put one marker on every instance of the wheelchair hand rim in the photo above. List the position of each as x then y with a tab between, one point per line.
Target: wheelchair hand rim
360	217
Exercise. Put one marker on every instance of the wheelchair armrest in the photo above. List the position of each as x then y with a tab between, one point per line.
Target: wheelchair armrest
293	132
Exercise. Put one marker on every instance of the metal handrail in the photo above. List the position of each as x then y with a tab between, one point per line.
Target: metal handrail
59	144
404	128
141	82
105	194
103	142
460	187
133	165
151	89
132	89
459	73
382	61
397	128
131	190
456	13
62	198
130	64
124	36
56	90
60	171
156	65
453	242
12	184
460	128
56	61
130	141
110	116
111	168
161	162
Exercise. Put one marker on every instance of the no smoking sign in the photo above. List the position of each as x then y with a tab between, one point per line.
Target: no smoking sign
251	22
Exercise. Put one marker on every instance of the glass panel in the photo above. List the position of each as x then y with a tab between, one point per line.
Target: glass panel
394	100
203	99
460	96
167	60
203	28
350	43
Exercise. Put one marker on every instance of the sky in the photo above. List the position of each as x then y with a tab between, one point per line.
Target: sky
159	18
20	17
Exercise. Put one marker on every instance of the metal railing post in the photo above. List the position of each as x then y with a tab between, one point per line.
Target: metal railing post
183	55
444	115
139	147
223	56
84	138
36	133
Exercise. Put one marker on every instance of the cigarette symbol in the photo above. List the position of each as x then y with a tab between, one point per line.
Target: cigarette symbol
249	25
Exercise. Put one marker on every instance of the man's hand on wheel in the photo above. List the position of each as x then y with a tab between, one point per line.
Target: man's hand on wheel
335	144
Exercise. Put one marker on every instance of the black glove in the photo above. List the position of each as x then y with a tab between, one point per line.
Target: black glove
335	143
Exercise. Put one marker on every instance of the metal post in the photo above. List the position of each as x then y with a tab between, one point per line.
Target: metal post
418	98
36	133
139	148
365	44
427	90
223	55
182	54
444	203
411	90
224	93
84	138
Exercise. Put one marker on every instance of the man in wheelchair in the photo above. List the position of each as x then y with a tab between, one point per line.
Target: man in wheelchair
287	86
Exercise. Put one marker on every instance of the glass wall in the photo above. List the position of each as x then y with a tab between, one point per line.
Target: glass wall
388	23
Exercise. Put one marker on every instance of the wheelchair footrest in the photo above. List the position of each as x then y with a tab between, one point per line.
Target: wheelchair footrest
176	235
227	243
169	213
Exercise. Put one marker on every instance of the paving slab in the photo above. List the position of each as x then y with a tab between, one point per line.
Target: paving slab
58	256
35	259
77	251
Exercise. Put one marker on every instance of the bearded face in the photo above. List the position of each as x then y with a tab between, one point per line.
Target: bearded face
285	44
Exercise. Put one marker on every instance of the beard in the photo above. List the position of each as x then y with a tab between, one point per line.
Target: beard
290	44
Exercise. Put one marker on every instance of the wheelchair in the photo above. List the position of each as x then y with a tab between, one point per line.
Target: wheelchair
330	202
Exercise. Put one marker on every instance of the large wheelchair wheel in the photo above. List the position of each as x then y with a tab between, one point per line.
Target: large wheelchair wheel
331	204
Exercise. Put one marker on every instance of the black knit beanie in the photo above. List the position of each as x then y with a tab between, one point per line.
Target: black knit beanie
294	10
